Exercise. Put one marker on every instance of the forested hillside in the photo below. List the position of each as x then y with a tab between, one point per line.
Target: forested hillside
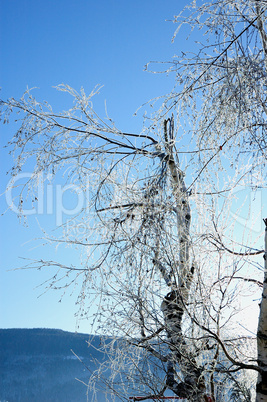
38	365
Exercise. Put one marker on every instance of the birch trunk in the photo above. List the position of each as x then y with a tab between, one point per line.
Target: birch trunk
192	385
262	334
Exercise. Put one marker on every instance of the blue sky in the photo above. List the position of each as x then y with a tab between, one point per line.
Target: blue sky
79	43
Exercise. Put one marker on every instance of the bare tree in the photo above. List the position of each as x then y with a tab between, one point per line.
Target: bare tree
161	256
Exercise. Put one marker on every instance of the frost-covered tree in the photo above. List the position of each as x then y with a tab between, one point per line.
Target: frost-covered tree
161	255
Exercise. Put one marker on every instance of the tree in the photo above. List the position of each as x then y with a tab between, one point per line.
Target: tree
161	254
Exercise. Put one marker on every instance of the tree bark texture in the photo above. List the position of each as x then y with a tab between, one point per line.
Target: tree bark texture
262	334
192	384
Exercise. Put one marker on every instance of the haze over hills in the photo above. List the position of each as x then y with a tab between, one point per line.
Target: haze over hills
38	365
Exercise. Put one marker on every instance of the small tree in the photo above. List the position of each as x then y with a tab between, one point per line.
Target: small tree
159	255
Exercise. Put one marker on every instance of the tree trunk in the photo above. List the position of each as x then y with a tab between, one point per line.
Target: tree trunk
262	334
192	384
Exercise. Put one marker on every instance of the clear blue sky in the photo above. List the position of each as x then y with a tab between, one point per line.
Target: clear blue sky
80	43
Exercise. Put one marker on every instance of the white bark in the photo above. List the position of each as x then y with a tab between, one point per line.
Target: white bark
174	303
262	334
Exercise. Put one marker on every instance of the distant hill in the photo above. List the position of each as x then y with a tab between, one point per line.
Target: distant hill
37	365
